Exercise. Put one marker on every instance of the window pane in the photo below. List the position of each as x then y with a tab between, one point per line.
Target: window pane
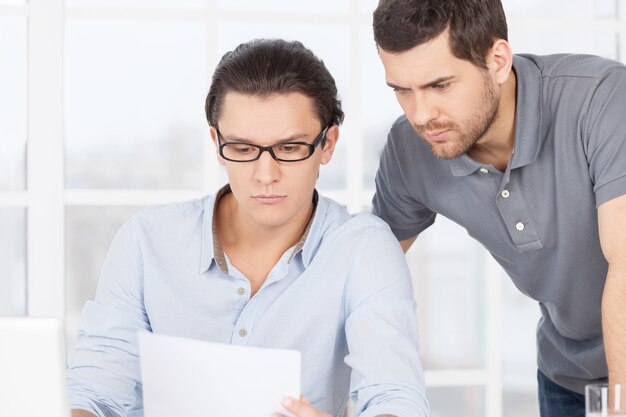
605	9
447	269
368	6
89	231
12	261
135	104
12	102
178	4
520	316
317	38
319	6
547	8
517	403
379	107
524	40
455	402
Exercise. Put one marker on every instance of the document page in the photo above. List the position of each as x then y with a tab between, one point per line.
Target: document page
193	378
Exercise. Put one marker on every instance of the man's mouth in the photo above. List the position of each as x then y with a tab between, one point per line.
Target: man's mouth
269	198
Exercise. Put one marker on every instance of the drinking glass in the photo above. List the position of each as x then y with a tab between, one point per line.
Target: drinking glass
604	400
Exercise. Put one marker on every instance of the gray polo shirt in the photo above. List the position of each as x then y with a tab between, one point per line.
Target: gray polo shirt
538	219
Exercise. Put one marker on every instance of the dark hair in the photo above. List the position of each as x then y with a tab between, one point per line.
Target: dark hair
400	25
264	67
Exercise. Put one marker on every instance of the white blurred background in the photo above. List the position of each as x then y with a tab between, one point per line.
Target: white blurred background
101	112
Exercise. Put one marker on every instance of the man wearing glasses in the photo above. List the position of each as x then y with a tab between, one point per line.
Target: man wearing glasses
265	262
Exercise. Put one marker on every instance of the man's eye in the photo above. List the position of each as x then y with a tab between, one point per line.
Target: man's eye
400	90
441	86
288	148
243	149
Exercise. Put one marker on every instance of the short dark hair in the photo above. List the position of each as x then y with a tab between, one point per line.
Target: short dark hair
264	67
400	25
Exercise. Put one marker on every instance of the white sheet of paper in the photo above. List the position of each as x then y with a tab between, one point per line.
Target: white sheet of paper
193	378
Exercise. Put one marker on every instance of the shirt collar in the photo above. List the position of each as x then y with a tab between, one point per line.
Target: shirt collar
210	241
527	120
528	112
212	250
463	165
318	226
300	245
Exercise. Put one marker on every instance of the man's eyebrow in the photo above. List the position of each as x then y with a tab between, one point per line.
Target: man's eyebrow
235	138
424	86
292	138
436	81
396	87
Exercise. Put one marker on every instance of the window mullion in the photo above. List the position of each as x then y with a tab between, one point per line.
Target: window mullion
45	160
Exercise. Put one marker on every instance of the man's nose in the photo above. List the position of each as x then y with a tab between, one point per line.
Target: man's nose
424	111
267	169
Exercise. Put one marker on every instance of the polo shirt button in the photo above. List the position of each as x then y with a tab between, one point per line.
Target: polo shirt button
241	291
243	333
484	170
505	193
519	226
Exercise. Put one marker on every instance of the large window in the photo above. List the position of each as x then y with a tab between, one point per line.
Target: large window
101	113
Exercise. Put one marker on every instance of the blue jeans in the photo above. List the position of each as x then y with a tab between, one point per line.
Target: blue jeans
556	401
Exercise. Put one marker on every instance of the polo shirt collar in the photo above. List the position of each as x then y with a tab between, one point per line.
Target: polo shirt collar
463	166
527	121
528	112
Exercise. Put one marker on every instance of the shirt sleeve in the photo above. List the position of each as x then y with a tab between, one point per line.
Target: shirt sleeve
605	136
104	375
394	201
381	331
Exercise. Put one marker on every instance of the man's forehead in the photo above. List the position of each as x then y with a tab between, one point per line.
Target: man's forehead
421	65
279	116
293	104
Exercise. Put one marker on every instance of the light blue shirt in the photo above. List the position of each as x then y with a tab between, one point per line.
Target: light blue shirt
343	298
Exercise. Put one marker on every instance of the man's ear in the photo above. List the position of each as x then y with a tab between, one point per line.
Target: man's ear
332	136
500	60
213	132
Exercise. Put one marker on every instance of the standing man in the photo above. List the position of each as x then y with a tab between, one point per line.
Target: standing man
528	153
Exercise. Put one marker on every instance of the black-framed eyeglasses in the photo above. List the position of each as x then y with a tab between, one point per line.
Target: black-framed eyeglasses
283	152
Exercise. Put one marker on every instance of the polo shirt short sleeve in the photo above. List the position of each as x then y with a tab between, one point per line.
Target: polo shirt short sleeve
605	136
394	200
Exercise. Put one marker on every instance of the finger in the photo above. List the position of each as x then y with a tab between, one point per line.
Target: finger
300	408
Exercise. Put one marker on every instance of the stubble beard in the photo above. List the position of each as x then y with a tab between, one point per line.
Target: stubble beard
478	124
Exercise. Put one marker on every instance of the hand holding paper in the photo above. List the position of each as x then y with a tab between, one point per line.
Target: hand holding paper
192	378
301	408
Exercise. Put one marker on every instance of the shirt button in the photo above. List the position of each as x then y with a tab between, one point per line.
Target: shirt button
519	226
484	170
243	333
241	290
505	193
